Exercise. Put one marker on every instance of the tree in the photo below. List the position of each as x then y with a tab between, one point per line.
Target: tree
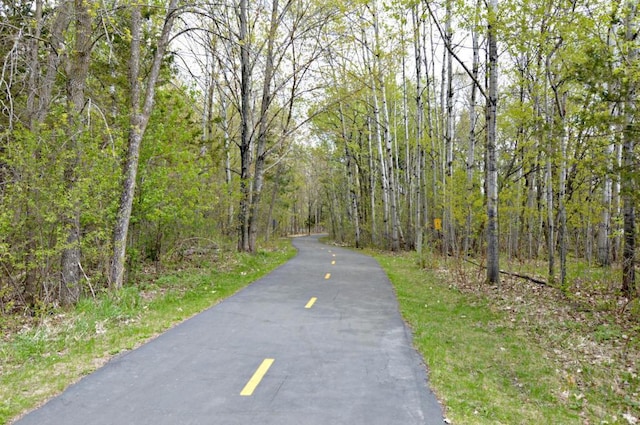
263	123
77	70
472	127
141	108
629	135
493	253
245	131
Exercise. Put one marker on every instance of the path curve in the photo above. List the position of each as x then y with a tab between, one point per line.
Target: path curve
328	321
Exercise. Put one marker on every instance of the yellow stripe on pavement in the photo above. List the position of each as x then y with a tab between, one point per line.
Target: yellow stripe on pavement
257	377
311	302
327	276
333	262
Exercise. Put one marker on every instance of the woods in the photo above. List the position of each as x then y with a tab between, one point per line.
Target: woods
543	175
131	132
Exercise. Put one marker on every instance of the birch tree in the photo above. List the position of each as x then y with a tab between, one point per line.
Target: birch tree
493	253
475	45
629	159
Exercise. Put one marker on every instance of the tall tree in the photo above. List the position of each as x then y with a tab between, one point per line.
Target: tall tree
41	85
475	45
385	129
77	70
263	122
140	112
420	218
629	135
245	127
493	253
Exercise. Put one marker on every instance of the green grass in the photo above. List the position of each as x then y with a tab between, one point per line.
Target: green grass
42	360
483	368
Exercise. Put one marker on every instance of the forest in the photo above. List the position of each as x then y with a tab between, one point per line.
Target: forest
133	134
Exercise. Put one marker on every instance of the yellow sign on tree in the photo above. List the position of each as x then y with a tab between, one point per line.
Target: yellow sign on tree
437	223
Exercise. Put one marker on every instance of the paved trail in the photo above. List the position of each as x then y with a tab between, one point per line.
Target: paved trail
317	341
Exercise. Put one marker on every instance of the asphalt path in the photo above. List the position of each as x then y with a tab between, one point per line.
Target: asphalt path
318	341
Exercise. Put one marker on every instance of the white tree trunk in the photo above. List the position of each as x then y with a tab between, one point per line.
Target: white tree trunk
472	134
604	229
493	257
417	47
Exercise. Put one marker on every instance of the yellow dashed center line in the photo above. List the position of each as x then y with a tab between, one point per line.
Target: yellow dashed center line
311	302
327	276
257	377
333	255
333	262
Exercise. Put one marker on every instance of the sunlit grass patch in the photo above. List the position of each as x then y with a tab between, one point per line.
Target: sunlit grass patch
497	357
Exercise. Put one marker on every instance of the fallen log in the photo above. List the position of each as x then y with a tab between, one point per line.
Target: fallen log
521	276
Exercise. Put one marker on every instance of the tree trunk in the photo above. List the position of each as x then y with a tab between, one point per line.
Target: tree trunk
372	184
393	206
433	132
550	155
261	145
352	194
604	229
551	227
77	72
378	125
604	250
38	105
617	203
272	202
562	212
245	130
493	268
409	159
386	161
417	175
383	169
227	167
34	64
447	177
472	133
629	171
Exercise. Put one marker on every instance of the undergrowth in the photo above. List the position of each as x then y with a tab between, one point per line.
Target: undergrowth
521	352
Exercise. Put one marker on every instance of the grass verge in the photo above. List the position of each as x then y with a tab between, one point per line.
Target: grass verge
514	354
44	357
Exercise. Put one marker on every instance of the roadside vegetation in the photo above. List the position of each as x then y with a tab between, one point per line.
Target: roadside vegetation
521	352
43	354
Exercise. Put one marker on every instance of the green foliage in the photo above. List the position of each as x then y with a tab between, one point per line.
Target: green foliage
36	198
181	195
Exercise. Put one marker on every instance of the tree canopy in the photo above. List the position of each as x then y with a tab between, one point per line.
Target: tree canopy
131	130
